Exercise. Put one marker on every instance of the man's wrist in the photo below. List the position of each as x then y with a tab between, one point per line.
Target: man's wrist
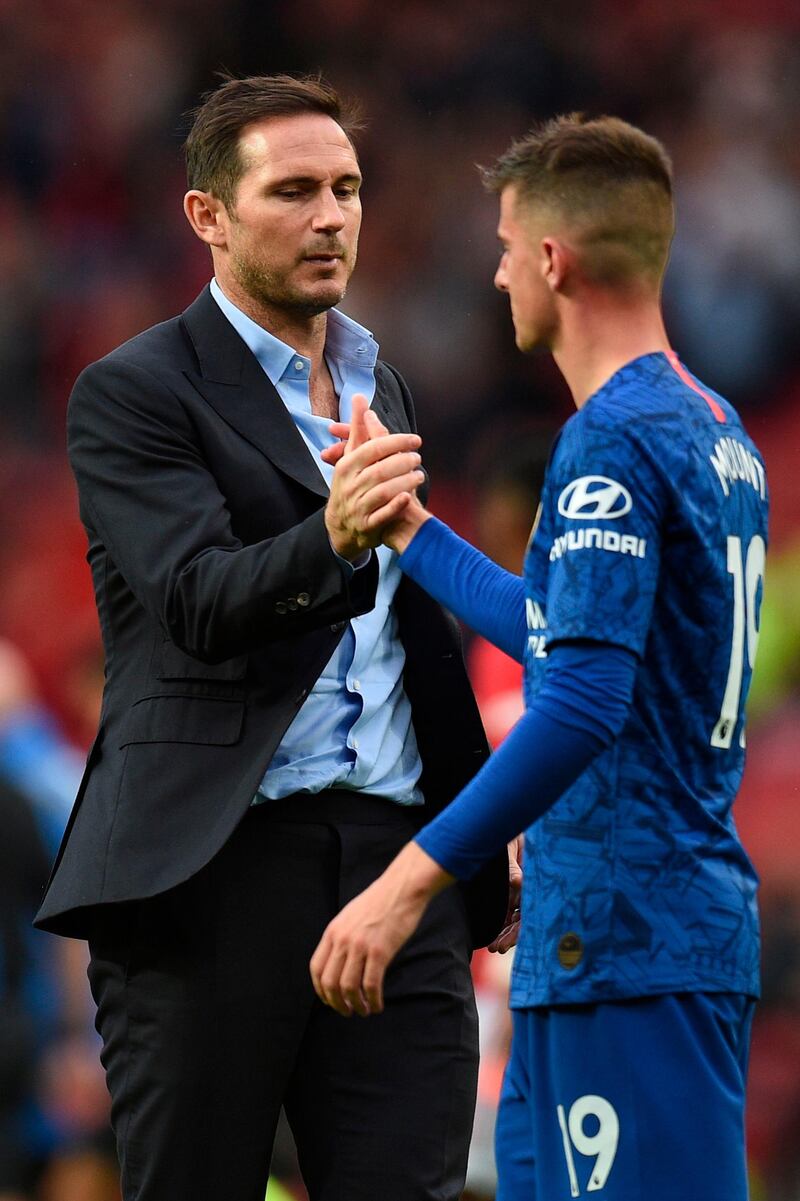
343	545
418	874
403	532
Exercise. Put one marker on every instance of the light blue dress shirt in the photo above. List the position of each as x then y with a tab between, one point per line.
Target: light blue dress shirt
354	730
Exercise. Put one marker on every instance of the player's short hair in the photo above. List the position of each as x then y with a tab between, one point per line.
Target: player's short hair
213	160
609	182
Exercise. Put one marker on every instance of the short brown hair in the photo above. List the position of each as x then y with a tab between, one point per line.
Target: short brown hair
611	183
213	161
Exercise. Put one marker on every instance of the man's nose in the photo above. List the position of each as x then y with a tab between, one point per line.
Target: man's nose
328	214
500	279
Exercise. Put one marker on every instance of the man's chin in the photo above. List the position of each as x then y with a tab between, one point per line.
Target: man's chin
526	343
531	343
308	298
319	299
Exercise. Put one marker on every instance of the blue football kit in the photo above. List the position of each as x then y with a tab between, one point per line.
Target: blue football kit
637	620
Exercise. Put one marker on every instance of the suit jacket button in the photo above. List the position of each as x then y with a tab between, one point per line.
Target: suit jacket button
303	599
280	607
337	626
292	604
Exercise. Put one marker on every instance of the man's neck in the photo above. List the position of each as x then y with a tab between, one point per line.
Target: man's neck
600	333
304	333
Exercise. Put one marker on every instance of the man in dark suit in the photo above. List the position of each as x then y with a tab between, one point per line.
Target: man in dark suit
281	712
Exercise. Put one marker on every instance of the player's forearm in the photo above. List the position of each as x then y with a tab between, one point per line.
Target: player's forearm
569	725
415	877
536	763
490	600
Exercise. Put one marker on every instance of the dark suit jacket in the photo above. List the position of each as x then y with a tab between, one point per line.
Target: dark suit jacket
220	601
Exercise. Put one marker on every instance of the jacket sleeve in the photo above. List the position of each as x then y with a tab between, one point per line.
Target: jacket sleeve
147	493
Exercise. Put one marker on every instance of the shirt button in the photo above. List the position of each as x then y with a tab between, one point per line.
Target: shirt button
356	685
298	365
280	607
303	599
355	744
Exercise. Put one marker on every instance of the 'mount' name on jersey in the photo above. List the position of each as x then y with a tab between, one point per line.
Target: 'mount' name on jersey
611	540
733	462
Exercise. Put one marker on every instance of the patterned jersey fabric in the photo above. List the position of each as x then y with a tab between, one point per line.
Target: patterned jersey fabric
651	536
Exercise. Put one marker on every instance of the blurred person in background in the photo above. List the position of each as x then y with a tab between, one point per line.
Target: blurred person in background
55	1138
23	866
280	710
637	619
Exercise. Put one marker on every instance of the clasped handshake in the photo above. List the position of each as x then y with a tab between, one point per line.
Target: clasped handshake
373	494
373	500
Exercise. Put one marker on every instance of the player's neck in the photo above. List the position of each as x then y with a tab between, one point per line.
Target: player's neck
599	335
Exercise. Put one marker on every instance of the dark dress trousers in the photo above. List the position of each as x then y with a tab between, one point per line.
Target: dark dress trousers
220	601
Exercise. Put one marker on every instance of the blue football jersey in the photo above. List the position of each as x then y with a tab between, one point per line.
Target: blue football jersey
651	535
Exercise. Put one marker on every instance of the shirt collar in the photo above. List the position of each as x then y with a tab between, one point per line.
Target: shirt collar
345	339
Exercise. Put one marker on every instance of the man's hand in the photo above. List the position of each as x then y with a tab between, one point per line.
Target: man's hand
350	962
398	531
507	938
374	480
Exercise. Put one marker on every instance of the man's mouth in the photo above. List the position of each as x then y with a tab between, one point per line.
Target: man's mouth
324	257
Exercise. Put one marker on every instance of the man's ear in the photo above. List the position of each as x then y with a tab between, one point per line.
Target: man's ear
557	260
207	216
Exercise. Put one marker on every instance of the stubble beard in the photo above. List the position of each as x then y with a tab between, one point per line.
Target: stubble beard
270	289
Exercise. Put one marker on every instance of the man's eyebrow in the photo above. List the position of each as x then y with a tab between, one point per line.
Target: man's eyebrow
349	177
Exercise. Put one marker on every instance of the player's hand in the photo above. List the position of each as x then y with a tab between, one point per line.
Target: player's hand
397	533
349	965
508	936
372	483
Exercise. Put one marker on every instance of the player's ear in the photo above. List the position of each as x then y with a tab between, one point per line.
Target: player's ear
207	216
556	262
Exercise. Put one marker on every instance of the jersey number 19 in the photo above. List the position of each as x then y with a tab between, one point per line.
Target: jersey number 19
747	574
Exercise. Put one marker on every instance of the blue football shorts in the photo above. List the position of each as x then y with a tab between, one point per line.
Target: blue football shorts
639	1100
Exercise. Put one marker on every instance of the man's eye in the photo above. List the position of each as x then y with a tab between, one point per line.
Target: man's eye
289	193
345	193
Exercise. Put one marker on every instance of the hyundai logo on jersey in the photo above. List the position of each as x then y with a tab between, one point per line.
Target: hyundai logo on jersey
594	496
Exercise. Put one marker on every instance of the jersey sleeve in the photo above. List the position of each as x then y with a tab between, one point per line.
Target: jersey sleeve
479	592
607	504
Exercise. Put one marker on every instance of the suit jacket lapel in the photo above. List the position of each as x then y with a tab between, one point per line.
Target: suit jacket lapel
234	384
387	404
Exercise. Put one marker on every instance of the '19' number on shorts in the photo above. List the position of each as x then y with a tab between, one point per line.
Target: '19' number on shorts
602	1144
747	575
